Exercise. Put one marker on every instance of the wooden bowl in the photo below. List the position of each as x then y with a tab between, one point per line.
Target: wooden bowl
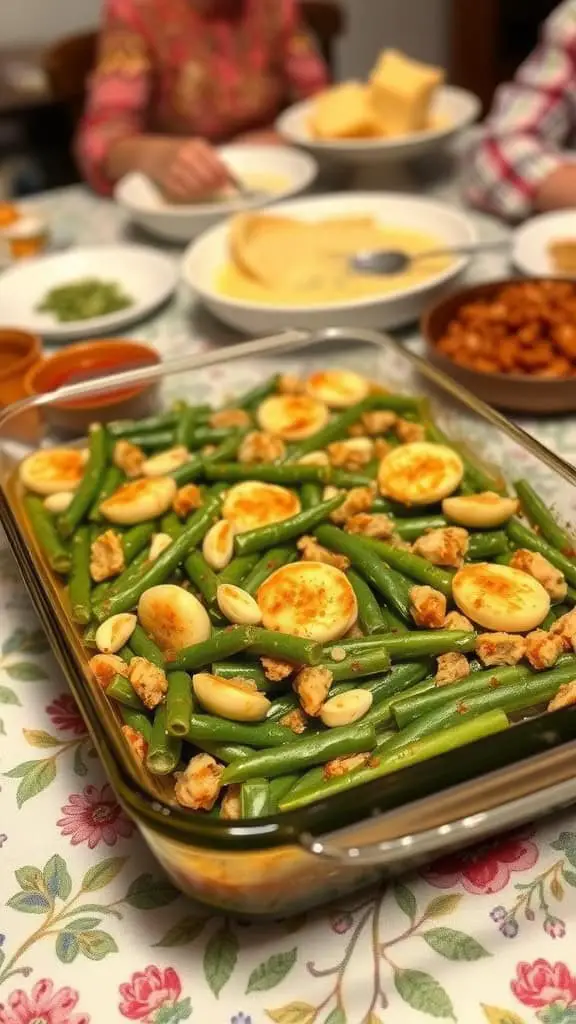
519	393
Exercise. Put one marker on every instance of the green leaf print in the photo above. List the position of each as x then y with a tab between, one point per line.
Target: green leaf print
102	874
96	945
293	1013
406	900
441	906
26	671
40	738
336	1017
454	945
422	992
7	696
56	878
23	640
30	902
38	775
569	877
220	957
67	947
83	924
183	932
148	893
30	879
272	971
566	843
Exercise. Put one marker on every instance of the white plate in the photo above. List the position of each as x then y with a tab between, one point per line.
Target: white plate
205	257
148	277
531	241
179	223
458	108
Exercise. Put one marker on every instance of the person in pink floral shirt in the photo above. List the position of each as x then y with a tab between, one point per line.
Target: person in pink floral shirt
176	77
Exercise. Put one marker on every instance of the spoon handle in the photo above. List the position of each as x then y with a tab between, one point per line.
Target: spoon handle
463	250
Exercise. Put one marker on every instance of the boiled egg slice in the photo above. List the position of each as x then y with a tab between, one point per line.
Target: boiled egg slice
251	504
292	417
165	462
498	597
308	599
235	699
173	617
487	509
53	470
140	500
420	473
337	388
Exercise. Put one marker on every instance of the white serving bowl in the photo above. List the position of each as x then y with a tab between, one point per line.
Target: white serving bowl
531	241
179	223
455	108
206	256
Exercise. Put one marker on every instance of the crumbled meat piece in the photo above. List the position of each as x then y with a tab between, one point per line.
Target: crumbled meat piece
317	458
454	620
312	551
408	432
208	449
542	570
398	542
136	742
129	458
344	765
565	628
312	686
354	633
230	418
106	666
106	556
187	499
381	448
261	447
543	649
427	607
500	648
352	454
376	525
275	669
358	499
148	680
451	668
379	421
565	696
295	720
288	384
198	786
445	546
230	804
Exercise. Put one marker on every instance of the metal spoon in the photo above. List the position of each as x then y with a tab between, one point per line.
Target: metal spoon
394	261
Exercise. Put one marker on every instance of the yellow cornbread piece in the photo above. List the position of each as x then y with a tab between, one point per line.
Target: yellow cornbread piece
344	112
401	92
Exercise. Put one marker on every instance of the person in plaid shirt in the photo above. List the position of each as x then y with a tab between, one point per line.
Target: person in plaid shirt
521	163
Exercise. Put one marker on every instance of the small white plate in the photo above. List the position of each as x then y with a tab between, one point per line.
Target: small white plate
455	109
531	241
147	277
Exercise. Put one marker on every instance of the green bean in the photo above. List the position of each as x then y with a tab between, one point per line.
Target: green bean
137	721
392	761
185	426
89	635
370	614
268	563
238	569
399	679
203	577
136	540
171	524
202	435
220	730
109	587
366	663
45	533
121	690
476	476
227	642
179	703
282	706
164	750
311	495
414	644
522	537
126	654
411	529
541	517
483	546
303	752
277	789
411	565
244	670
374	570
339	425
90	484
392	621
144	647
151	424
112	480
295	649
152	441
288	529
79	582
287	473
162	568
255	395
225	752
382	713
255	798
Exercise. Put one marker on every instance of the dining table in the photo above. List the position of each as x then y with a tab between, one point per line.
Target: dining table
92	931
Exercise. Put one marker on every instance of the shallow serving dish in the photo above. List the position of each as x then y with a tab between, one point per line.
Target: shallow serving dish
520	393
206	257
454	110
279	865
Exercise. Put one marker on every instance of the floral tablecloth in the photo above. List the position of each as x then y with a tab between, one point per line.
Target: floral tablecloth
92	932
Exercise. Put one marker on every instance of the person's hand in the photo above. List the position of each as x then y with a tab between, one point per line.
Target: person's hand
263	137
186	170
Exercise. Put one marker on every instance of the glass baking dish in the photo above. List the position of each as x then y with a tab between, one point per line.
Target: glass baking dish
281	865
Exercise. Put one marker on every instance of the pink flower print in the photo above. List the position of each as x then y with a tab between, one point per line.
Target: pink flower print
42	1006
149	991
93	817
542	983
65	715
486	869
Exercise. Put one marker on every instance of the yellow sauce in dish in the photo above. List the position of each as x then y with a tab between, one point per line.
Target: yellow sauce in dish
287	262
255	181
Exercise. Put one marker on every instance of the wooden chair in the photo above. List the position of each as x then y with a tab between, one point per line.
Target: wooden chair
69	62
